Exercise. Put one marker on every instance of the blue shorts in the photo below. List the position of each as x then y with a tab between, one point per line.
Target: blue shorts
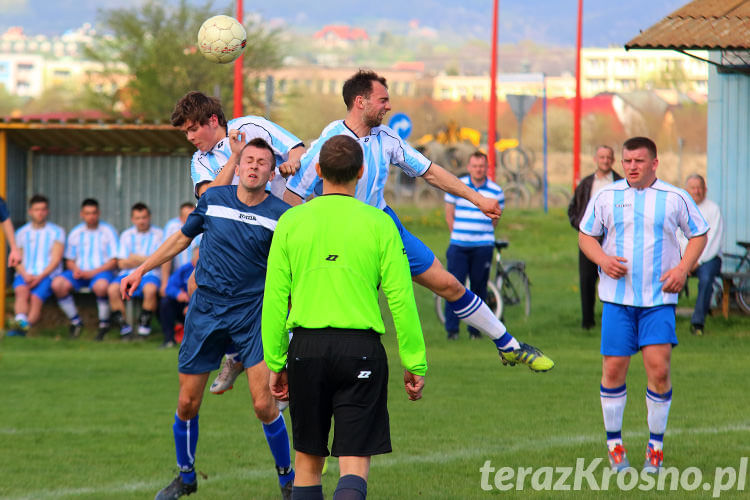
43	290
625	329
78	284
419	254
149	278
214	326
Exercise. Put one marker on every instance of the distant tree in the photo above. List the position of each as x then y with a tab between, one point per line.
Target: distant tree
9	103
154	47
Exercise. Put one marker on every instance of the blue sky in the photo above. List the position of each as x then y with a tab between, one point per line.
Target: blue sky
606	22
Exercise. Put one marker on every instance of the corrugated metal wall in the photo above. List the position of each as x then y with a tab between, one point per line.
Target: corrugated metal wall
16	198
728	172
162	182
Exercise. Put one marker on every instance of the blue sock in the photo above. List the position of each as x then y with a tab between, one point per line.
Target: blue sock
186	440
350	487
504	342
278	442
307	492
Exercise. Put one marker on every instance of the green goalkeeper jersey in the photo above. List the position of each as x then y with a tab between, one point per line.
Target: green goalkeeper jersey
330	255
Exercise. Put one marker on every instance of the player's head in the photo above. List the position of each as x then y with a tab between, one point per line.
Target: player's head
256	165
477	167
639	161
696	186
38	208
185	210
140	216
367	93
341	159
604	158
90	212
201	118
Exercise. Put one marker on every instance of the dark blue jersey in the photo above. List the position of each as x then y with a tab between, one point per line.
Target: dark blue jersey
236	242
3	211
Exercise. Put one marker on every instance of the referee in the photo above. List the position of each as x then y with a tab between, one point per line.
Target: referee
330	256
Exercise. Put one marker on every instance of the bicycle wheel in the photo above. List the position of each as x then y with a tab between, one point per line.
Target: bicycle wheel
743	295
516	294
494	302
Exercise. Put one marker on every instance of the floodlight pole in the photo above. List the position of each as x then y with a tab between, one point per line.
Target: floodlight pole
493	96
577	106
237	110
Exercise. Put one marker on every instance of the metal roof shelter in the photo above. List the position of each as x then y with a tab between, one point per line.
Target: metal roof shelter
118	162
723	28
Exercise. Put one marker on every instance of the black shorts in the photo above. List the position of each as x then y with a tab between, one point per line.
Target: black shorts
344	374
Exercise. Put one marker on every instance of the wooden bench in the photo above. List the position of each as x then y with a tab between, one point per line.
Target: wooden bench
727	280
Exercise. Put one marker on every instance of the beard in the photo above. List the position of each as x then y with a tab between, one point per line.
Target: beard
372	121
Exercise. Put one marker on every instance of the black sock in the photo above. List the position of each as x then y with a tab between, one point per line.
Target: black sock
350	487
307	492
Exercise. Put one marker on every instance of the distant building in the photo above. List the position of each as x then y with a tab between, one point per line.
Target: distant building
341	36
477	88
618	70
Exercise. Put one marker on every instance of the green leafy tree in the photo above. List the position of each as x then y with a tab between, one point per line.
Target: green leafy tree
153	48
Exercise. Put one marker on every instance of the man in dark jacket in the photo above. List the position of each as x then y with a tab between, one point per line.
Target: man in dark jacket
587	188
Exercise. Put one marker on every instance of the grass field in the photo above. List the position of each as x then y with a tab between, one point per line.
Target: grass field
89	420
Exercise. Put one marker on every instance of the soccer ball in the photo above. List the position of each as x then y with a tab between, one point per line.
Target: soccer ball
221	39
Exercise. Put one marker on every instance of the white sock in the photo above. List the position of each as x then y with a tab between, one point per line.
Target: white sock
658	413
102	305
22	317
613	408
68	306
475	312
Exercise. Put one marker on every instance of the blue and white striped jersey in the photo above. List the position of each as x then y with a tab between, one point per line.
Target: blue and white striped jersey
182	258
640	225
382	148
204	167
92	248
471	228
134	242
37	243
236	242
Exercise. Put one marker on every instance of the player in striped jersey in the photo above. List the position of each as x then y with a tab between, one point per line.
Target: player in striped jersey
90	257
136	244
41	244
367	102
641	272
472	237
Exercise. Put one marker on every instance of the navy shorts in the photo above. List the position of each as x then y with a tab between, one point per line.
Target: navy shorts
108	276
420	256
214	326
43	290
626	329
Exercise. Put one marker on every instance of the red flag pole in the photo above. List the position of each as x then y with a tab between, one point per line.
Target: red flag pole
238	87
577	107
493	96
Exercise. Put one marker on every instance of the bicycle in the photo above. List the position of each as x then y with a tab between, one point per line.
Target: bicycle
740	277
509	288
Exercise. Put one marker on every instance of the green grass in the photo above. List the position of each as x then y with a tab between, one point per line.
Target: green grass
89	420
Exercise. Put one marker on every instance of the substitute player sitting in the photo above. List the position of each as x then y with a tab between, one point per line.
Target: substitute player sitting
367	102
202	119
41	244
237	223
331	256
136	244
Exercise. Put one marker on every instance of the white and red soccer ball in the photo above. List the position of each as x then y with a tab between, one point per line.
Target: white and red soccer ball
222	39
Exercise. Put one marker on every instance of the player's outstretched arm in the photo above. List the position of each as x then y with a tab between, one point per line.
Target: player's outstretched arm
14	256
167	251
442	179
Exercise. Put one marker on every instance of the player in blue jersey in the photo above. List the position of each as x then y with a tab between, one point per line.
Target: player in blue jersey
472	237
367	102
41	244
202	120
641	271
136	244
237	223
14	256
90	257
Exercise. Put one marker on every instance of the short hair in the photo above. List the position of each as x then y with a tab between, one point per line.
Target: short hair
478	154
696	176
640	142
360	84
257	142
139	207
604	146
89	202
340	159
197	107
187	204
38	198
